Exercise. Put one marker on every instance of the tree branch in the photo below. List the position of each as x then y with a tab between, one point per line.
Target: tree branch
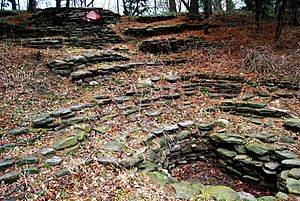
185	4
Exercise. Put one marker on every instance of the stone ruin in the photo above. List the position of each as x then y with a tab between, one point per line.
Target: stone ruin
55	28
262	159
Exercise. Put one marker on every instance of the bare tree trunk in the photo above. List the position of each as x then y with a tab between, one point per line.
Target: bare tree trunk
155	7
118	6
295	9
280	20
179	7
218	5
229	5
210	10
186	4
90	4
206	16
194	7
31	5
13	4
257	14
277	6
126	12
67	3
172	6
58	3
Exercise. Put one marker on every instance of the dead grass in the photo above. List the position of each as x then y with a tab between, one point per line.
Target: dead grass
266	62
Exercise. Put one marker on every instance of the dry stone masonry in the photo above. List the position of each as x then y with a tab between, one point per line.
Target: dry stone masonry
149	31
173	45
259	158
65	27
67	66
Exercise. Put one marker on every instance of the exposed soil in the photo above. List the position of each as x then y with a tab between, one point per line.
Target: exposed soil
206	173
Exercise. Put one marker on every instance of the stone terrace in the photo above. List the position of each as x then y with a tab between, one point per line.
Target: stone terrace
148	117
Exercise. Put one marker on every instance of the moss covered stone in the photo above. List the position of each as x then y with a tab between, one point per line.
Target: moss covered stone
65	143
259	149
185	190
220	193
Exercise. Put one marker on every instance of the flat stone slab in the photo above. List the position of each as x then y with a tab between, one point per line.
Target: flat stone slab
171	128
152	113
219	192
246	196
145	83
6	164
226	152
259	149
121	99
65	143
9	177
293	186
292	124
62	172
228	138
53	161
19	131
61	112
271	165
295	173
130	162
114	146
27	160
31	170
206	127
186	124
107	160
172	78
84	127
161	177
47	151
182	135
292	163
285	154
42	122
102	129
158	131
186	191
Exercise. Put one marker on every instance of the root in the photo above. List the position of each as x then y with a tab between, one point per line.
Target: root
265	63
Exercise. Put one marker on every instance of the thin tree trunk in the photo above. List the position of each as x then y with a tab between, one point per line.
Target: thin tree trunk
295	9
125	11
67	3
172	6
31	5
58	3
13	5
206	16
280	19
118	6
136	10
90	4
186	5
218	5
194	7
229	5
210	10
257	14
277	6
179	7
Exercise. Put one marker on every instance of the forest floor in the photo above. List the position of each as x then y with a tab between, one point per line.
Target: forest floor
28	87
